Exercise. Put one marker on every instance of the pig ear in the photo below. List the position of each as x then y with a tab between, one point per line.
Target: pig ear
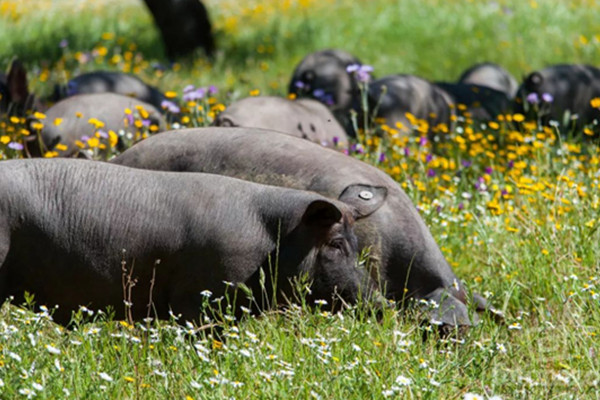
321	213
535	79
365	199
17	82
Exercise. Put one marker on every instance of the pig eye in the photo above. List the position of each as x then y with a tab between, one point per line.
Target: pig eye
337	244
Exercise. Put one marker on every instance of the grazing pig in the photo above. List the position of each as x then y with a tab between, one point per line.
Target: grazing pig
67	225
491	75
561	89
395	95
482	102
15	98
322	75
304	118
404	257
73	118
111	82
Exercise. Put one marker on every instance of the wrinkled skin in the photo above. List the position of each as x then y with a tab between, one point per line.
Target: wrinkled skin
65	223
322	76
106	107
409	93
111	82
304	118
483	103
403	254
572	86
14	89
491	75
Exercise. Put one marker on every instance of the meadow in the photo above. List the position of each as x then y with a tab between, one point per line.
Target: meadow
514	207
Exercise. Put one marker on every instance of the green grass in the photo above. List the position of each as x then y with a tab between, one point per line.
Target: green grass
529	241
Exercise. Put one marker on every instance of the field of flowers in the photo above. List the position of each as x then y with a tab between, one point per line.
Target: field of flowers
513	205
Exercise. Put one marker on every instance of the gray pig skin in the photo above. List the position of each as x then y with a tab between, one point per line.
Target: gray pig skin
106	107
322	76
403	252
572	87
111	82
65	222
409	93
491	75
304	118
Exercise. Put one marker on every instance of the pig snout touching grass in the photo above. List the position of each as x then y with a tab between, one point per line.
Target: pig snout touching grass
304	118
67	225
404	258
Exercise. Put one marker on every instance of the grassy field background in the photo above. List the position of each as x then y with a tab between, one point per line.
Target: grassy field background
513	206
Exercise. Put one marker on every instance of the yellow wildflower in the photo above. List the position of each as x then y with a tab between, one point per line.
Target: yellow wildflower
93	142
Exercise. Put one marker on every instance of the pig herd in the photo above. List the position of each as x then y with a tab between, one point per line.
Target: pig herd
248	202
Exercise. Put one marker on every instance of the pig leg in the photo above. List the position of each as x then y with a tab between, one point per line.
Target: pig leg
449	311
185	304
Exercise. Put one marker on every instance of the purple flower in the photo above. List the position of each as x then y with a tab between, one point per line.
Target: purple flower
103	134
547	97
85	138
212	90
504	192
63	43
422	141
428	158
461	206
511	164
431	172
299	84
361	72
130	119
480	184
170	106
533	98
466	163
489	170
319	93
336	140
15	146
84	58
381	157
193	95
406	151
147	122
189	88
